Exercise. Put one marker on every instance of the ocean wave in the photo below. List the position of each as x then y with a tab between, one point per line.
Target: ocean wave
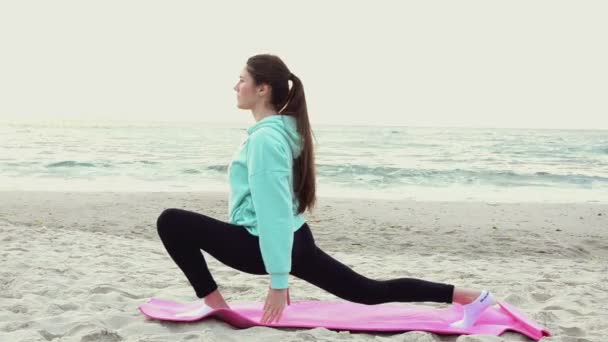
191	171
147	162
221	168
388	174
70	163
600	150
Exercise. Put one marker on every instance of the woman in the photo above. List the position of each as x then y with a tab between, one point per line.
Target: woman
272	183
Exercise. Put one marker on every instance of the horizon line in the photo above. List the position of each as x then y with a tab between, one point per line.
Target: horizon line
244	125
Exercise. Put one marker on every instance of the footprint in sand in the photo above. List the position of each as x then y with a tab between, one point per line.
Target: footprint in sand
540	296
108	289
102	336
515	299
572	331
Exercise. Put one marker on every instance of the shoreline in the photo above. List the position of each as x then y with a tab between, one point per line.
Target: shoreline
322	197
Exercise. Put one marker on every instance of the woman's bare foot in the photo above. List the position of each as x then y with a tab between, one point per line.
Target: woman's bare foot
215	300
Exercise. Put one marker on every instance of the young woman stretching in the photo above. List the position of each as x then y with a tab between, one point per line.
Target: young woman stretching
272	183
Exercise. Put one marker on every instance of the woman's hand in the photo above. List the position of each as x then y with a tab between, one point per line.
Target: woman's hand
275	303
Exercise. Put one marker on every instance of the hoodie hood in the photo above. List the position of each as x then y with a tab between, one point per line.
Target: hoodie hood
284	124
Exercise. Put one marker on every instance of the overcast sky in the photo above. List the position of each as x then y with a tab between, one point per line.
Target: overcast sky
537	64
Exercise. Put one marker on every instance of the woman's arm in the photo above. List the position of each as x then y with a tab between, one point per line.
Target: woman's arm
269	174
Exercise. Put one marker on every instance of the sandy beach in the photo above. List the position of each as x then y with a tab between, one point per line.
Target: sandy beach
75	266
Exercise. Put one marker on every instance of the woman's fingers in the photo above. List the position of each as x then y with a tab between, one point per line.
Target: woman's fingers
273	313
265	316
270	315
263	319
276	315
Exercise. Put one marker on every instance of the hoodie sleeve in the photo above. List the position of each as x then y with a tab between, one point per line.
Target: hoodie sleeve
269	166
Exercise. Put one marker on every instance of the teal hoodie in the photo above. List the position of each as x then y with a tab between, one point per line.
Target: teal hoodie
261	191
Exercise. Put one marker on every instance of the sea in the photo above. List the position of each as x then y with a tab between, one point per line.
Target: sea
370	162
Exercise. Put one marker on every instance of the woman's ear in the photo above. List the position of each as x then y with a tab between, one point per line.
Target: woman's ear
263	89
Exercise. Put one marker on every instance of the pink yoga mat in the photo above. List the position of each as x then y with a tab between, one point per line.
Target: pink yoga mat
342	315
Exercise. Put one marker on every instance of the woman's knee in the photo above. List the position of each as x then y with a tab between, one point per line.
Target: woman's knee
166	220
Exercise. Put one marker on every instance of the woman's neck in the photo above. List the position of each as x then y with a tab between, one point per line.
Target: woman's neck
260	113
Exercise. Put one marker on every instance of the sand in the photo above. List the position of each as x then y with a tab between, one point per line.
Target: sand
75	266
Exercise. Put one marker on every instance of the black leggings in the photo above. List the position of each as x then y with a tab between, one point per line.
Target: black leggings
184	233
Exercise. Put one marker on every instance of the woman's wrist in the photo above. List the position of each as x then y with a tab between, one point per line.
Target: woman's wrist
279	280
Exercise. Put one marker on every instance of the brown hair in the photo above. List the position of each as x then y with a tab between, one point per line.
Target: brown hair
270	69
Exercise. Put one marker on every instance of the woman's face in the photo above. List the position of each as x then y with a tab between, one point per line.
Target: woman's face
246	92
